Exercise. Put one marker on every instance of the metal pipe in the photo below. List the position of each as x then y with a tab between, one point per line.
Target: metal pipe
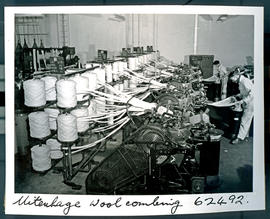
154	30
132	33
195	34
139	30
70	161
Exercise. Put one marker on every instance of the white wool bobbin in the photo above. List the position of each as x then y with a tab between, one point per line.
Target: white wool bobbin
101	76
125	65
55	148
115	66
121	66
40	155
126	84
82	84
140	60
121	86
67	128
92	79
50	90
39	124
53	113
132	63
82	123
116	86
34	93
66	93
109	73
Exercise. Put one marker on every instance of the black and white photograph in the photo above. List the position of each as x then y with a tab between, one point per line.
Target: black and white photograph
136	102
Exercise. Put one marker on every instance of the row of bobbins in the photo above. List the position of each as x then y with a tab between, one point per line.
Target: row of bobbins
67	92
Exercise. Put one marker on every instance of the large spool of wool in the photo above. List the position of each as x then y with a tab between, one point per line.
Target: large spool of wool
140	60
55	148
67	128
41	160
133	83
66	93
50	89
121	66
53	113
101	76
82	84
34	93
82	123
109	73
92	79
115	66
125	65
39	124
132	63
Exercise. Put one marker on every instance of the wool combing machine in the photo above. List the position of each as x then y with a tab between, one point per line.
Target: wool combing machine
158	107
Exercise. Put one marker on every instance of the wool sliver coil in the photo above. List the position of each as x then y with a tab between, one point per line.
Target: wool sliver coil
55	148
67	128
50	90
53	113
34	93
82	84
82	123
66	93
40	155
92	109
39	124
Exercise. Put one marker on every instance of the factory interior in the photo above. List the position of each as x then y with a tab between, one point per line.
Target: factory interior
136	104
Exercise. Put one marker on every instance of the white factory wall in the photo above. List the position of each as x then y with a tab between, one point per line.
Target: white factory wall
52	30
88	33
175	36
230	41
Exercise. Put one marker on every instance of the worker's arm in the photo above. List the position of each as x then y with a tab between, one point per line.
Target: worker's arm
248	86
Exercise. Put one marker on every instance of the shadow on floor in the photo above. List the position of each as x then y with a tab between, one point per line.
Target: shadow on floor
245	176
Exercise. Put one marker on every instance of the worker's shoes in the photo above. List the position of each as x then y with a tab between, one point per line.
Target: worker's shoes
235	141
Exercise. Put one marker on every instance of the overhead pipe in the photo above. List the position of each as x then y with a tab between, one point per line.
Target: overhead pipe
195	35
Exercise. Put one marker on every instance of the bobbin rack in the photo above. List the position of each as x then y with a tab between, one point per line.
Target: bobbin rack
69	168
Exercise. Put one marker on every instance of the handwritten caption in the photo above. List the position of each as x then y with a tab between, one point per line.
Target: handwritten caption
173	204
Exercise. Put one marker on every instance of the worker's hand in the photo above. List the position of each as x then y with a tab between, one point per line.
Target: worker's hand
223	96
243	103
233	99
238	96
240	103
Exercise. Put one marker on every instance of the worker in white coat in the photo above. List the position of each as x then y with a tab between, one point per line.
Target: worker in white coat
246	96
221	74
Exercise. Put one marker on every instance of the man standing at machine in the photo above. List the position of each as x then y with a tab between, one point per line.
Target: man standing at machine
222	78
246	97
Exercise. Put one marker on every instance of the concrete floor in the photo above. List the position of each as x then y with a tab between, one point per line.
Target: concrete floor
235	172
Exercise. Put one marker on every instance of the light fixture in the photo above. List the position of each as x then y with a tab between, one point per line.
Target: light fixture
222	18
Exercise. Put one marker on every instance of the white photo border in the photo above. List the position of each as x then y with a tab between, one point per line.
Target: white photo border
254	200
